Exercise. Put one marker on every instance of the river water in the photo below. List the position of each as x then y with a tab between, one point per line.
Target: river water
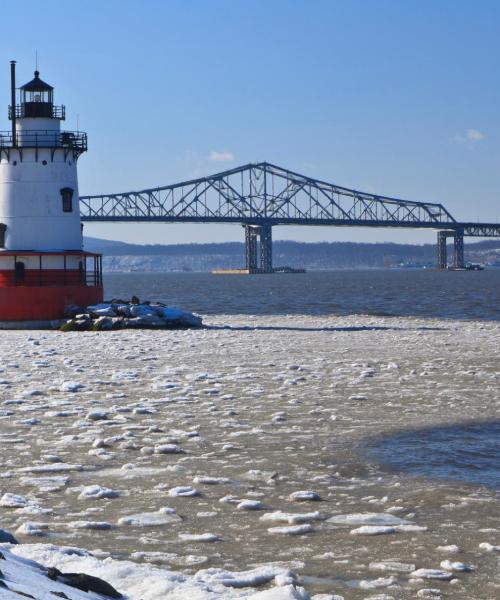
376	392
422	293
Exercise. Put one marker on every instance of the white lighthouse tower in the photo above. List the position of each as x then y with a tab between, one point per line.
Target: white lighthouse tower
43	268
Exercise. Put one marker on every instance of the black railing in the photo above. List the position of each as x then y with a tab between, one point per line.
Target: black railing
72	140
87	273
37	110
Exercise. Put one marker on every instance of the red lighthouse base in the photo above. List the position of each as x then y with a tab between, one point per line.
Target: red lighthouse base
44	303
31	289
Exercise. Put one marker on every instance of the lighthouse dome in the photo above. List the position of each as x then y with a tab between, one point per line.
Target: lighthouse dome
36	85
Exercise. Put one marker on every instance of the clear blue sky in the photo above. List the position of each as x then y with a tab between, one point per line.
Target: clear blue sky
397	97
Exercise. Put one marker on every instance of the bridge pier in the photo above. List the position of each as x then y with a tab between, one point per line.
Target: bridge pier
264	250
442	252
458	248
251	248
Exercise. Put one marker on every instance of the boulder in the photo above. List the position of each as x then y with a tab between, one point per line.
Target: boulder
7	538
86	583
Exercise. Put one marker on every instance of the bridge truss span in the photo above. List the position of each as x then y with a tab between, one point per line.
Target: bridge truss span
262	193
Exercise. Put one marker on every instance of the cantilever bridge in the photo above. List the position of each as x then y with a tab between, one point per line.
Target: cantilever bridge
262	195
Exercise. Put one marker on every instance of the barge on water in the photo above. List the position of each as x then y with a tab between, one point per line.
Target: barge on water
256	271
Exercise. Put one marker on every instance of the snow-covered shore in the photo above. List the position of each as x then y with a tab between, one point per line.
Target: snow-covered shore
219	458
24	571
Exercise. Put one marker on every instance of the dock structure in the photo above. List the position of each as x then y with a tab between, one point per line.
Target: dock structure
261	195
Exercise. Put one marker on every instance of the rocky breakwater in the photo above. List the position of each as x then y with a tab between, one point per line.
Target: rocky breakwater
133	314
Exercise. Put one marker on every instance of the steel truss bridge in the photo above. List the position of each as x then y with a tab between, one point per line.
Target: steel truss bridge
261	195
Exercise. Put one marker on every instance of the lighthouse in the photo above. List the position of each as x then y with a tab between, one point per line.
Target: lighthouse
43	267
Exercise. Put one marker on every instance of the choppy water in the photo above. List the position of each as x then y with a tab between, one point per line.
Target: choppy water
455	295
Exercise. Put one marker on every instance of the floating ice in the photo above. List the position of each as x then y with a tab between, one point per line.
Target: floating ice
292	530
163	516
53	468
306	495
367	519
391	566
250	505
183	491
489	547
168	449
199	537
371	584
13	501
205	479
94	525
97	492
292	518
431	574
449	565
372	530
71	386
30	528
97	415
242	579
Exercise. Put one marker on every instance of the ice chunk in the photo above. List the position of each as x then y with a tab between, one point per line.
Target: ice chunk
149	519
432	574
70	386
372	530
183	491
391	566
292	530
13	501
367	519
199	537
292	518
306	495
97	492
250	505
449	565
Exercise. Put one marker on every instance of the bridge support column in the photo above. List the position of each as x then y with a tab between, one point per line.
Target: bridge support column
266	248
458	249
251	248
442	255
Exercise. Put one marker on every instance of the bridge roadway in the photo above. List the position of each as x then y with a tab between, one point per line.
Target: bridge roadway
261	195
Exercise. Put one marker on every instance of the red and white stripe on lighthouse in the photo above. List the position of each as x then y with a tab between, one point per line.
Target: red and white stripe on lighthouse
43	268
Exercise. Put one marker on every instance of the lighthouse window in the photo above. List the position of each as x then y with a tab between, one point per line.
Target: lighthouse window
19	271
67	199
3	229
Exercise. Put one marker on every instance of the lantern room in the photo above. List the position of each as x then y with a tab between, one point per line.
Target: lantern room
37	101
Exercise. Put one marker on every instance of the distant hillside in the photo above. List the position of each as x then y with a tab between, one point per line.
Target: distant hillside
121	256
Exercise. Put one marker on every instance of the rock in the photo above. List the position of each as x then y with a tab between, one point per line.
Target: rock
7	538
103	323
102	310
72	310
86	583
119	314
